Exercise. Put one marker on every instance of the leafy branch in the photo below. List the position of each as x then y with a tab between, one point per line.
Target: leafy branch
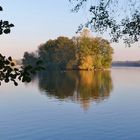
102	19
8	69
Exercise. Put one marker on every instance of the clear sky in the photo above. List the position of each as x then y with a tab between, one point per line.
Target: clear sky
36	21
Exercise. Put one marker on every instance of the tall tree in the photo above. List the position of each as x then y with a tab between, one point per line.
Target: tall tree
58	53
93	53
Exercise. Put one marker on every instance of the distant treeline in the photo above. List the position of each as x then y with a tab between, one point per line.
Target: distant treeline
126	63
81	53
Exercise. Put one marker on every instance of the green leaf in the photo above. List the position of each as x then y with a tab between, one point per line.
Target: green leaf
7	31
10	58
1	9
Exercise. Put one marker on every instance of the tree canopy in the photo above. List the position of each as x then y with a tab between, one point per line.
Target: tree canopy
121	19
82	52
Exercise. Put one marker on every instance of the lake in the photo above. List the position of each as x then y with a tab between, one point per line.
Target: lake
73	105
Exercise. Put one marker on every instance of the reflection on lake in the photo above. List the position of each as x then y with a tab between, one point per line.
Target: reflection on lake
82	86
48	108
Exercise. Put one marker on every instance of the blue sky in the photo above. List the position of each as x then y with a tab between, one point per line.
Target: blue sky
36	21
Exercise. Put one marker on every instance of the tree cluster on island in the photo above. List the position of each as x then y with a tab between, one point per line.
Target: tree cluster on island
121	21
82	52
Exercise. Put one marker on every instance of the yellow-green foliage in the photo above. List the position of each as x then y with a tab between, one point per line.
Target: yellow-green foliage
81	52
93	52
86	63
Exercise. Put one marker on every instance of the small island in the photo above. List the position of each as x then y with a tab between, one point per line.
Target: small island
83	52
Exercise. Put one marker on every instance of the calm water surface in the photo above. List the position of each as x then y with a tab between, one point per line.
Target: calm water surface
73	106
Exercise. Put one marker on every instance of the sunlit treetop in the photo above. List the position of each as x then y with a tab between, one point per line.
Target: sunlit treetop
120	18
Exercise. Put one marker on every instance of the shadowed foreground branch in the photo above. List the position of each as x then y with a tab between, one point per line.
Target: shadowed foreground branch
120	19
9	71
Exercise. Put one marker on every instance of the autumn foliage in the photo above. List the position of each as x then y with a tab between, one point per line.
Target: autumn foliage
82	52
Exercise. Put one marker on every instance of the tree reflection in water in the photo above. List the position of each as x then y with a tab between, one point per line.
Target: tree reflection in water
79	86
